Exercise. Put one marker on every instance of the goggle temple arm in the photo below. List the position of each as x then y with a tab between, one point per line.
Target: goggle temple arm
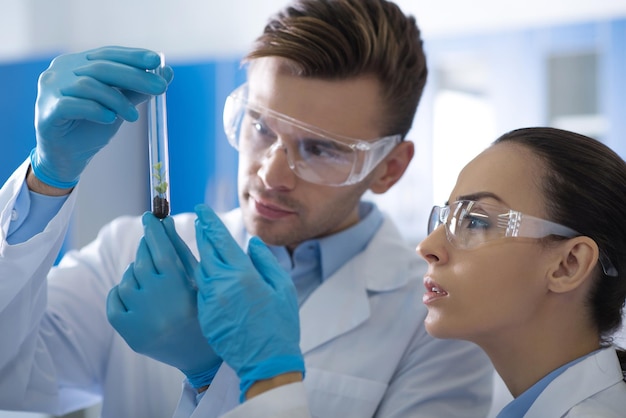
372	157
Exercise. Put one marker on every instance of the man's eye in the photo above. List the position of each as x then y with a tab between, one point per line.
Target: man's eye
324	149
260	128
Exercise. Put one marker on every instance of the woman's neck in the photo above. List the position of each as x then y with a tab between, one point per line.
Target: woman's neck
522	359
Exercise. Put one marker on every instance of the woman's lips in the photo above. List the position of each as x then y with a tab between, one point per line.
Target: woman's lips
433	291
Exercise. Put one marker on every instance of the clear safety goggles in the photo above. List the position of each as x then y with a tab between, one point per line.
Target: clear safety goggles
470	224
313	154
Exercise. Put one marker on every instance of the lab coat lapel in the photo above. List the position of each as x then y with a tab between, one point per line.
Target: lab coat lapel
340	303
579	382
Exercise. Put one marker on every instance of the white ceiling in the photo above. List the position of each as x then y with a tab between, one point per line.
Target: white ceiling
198	27
448	17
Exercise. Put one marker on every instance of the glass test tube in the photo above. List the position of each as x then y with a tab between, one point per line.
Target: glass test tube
159	155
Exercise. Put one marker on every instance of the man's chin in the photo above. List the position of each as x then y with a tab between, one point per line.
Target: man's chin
271	236
271	232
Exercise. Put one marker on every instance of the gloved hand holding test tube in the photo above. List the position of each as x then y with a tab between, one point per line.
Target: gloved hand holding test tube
159	156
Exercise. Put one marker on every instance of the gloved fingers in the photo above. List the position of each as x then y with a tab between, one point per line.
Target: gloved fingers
137	57
216	240
167	73
71	109
95	99
136	98
210	262
121	317
161	250
265	262
128	288
184	253
143	266
115	306
123	77
208	303
116	310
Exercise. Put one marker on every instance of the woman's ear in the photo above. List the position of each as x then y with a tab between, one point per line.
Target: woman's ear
575	261
389	171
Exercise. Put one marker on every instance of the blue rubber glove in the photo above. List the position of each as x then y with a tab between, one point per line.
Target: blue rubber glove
247	304
154	307
82	101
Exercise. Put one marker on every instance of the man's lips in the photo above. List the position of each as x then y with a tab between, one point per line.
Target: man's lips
433	291
271	211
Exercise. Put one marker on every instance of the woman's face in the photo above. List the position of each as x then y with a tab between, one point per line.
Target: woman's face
496	289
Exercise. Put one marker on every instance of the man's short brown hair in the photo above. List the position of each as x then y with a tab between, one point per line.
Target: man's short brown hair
340	39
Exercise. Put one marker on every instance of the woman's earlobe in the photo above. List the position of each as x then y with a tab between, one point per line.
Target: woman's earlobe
575	263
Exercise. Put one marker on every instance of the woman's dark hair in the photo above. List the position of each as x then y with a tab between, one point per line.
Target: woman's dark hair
340	39
585	185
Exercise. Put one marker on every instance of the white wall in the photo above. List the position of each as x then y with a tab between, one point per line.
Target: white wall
192	29
188	28
185	28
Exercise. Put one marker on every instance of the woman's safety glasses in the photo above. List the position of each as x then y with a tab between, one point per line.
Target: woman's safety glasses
313	154
470	224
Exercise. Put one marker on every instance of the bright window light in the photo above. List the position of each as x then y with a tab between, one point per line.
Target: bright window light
463	126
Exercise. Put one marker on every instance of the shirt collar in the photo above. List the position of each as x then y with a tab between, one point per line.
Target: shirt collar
520	405
331	252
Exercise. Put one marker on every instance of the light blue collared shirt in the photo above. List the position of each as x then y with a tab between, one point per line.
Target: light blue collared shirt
315	260
31	213
520	405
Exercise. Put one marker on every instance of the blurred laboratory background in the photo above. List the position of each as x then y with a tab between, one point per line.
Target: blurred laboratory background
494	66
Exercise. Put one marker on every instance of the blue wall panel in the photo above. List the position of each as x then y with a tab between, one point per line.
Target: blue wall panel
200	158
190	106
18	91
195	102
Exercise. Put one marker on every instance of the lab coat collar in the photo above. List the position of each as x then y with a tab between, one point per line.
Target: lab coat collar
380	275
389	260
341	303
592	375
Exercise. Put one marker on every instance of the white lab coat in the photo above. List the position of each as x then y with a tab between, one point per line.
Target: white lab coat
58	352
372	302
289	401
363	338
592	388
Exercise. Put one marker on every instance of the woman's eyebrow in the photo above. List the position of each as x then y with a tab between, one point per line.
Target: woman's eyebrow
480	195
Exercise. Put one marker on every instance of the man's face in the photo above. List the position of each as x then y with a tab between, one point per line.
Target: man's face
277	205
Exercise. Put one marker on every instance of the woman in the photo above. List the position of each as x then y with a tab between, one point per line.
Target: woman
530	265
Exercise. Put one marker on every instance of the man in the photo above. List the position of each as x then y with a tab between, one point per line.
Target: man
332	90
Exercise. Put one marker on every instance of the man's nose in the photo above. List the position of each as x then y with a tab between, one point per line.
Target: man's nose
276	168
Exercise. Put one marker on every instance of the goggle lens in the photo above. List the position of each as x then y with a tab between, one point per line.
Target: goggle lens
313	154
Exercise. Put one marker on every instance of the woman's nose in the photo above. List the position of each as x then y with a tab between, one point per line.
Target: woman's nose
434	247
